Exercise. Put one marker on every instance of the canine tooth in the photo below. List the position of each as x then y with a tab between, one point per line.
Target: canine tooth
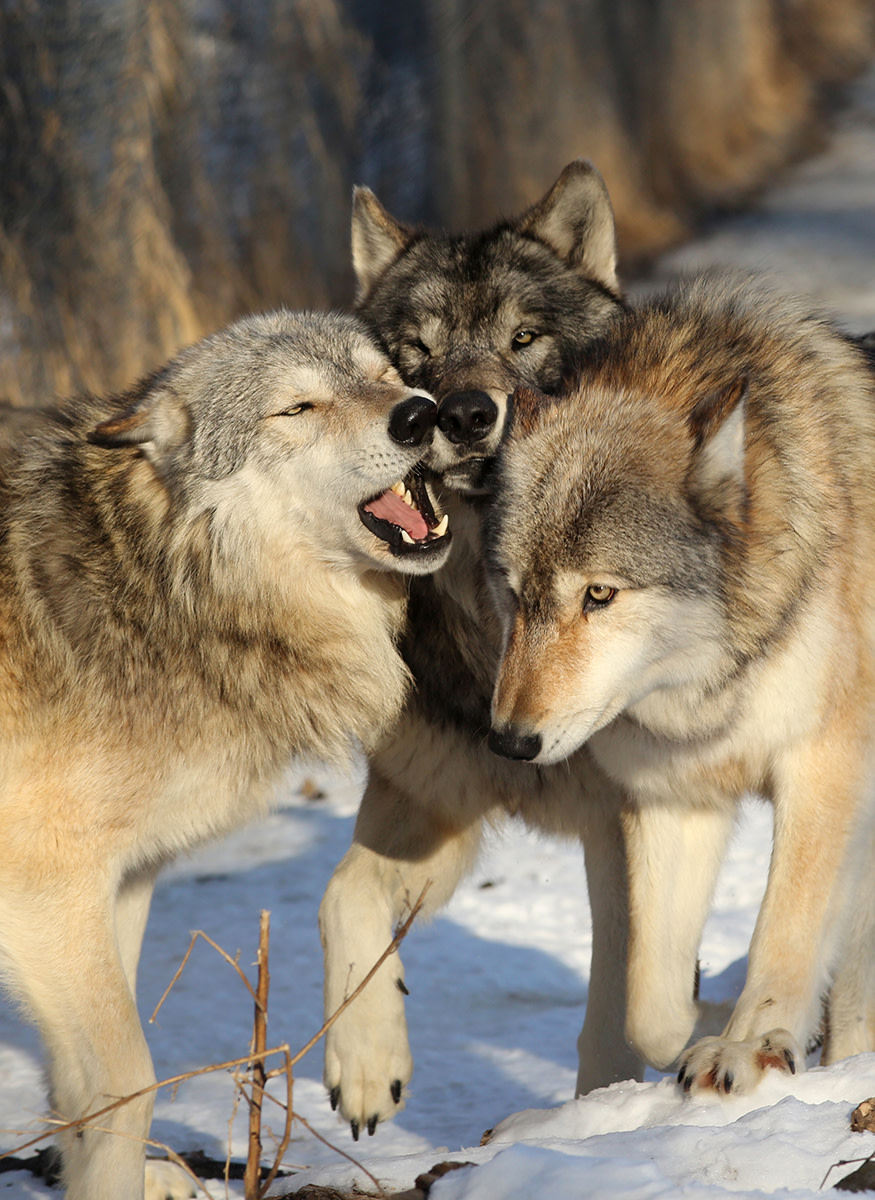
398	488
408	499
405	536
441	528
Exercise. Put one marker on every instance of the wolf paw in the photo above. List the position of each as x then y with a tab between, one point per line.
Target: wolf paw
719	1065
167	1181
367	1058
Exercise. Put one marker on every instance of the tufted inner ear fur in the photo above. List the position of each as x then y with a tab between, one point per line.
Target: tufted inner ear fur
576	220
160	420
717	478
377	240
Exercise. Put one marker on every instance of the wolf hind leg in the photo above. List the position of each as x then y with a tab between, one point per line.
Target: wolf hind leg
132	903
367	1054
850	1024
605	1056
673	856
163	1180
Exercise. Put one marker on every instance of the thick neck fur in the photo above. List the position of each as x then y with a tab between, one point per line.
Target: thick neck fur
175	610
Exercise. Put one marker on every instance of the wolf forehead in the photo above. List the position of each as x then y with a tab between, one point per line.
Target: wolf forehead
471	281
569	513
205	407
331	351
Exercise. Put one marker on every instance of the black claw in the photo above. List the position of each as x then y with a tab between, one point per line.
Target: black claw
354	1130
791	1061
399	983
681	1074
334	1097
688	1082
372	1126
728	1082
396	1091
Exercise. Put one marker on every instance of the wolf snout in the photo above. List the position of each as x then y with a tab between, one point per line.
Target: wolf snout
467	417
411	423
510	741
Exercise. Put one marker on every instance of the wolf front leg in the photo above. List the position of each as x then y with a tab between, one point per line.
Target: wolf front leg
823	821
673	858
63	960
399	847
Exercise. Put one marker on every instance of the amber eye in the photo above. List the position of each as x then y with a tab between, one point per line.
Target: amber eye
598	595
523	337
295	409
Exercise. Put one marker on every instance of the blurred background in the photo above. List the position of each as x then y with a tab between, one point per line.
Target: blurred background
168	164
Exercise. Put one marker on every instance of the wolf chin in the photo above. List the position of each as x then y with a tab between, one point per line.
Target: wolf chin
199	579
469	317
692	599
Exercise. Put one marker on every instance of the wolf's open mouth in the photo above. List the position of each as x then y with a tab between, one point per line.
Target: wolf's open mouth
404	518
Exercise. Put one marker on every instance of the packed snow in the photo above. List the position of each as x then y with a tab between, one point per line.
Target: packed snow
498	981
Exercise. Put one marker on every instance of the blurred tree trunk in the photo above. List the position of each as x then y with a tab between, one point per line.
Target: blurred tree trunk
167	164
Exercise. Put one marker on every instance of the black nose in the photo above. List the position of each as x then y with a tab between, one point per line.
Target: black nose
466	417
510	742
412	421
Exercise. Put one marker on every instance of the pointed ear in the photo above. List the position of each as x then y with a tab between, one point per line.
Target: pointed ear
576	221
718	426
159	420
527	404
377	240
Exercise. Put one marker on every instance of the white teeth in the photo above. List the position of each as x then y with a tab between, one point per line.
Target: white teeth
404	492
441	528
405	537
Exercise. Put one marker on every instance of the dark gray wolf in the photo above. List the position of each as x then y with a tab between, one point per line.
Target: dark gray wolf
468	316
683	555
198	579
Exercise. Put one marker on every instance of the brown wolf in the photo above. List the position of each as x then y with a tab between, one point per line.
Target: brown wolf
468	316
683	554
198	580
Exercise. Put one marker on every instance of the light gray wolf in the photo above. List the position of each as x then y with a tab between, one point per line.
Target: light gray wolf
199	579
468	316
682	551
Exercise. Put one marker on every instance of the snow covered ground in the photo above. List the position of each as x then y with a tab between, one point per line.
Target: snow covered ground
499	981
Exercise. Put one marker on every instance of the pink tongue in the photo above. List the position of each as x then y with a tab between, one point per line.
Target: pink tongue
390	507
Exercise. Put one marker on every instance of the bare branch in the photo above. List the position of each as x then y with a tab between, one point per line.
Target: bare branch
80	1122
199	933
400	934
355	1162
251	1188
259	1054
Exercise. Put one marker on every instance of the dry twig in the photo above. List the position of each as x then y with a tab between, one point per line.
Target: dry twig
259	1045
257	1058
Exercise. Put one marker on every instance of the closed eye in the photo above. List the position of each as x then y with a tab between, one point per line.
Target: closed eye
420	347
